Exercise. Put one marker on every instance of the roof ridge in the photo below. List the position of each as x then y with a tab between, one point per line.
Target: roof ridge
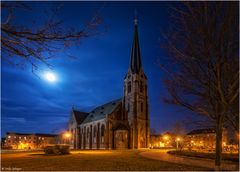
79	111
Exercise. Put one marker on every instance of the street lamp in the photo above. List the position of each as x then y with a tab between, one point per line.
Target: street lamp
165	138
67	136
177	140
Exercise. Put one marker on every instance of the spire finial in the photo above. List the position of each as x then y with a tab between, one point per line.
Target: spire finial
135	18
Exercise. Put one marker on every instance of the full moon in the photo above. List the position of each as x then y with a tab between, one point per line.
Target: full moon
50	77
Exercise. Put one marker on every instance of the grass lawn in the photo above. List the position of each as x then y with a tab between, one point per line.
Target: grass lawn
225	156
104	160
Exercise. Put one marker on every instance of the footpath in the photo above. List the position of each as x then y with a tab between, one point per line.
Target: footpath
208	163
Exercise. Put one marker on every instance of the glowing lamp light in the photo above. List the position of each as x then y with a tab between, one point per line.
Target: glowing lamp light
165	137
67	135
178	139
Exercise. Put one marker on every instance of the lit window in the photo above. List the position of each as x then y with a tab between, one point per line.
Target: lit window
15	137
42	138
25	138
19	137
9	137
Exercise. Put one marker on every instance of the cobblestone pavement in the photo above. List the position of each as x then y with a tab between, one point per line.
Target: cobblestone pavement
208	163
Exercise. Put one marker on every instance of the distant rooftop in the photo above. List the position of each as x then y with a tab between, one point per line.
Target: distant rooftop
36	134
202	131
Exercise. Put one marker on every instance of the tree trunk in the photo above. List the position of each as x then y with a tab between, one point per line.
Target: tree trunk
219	131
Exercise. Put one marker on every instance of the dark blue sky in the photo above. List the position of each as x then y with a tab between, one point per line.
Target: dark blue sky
30	104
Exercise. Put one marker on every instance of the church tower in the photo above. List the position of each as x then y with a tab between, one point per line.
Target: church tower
135	101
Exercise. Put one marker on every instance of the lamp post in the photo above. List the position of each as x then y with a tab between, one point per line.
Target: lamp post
177	140
67	136
166	140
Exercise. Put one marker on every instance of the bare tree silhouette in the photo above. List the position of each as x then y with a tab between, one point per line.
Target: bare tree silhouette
203	75
34	45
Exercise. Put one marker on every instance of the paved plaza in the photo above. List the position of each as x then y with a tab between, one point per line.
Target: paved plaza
162	155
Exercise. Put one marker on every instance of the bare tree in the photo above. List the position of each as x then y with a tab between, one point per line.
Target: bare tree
153	131
34	45
178	129
232	117
203	73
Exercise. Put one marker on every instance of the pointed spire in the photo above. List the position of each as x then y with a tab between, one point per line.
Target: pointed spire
135	62
135	19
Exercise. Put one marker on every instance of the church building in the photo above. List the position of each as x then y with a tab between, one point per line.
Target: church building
119	124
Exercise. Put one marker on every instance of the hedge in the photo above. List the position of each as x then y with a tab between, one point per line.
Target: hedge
56	149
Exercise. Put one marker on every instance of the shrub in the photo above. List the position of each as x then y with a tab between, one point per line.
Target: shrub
56	149
48	149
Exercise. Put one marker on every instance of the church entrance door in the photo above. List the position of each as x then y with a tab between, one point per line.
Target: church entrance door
121	139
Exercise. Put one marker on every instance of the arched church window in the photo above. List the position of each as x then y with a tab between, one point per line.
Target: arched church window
87	135
129	87
102	130
141	86
141	107
94	131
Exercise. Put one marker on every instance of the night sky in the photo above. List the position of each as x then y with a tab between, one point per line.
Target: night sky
32	104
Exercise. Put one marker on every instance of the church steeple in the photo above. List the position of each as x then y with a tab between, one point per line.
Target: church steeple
135	62
135	100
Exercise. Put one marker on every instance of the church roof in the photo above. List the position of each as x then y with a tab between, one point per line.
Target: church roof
135	62
79	116
100	112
